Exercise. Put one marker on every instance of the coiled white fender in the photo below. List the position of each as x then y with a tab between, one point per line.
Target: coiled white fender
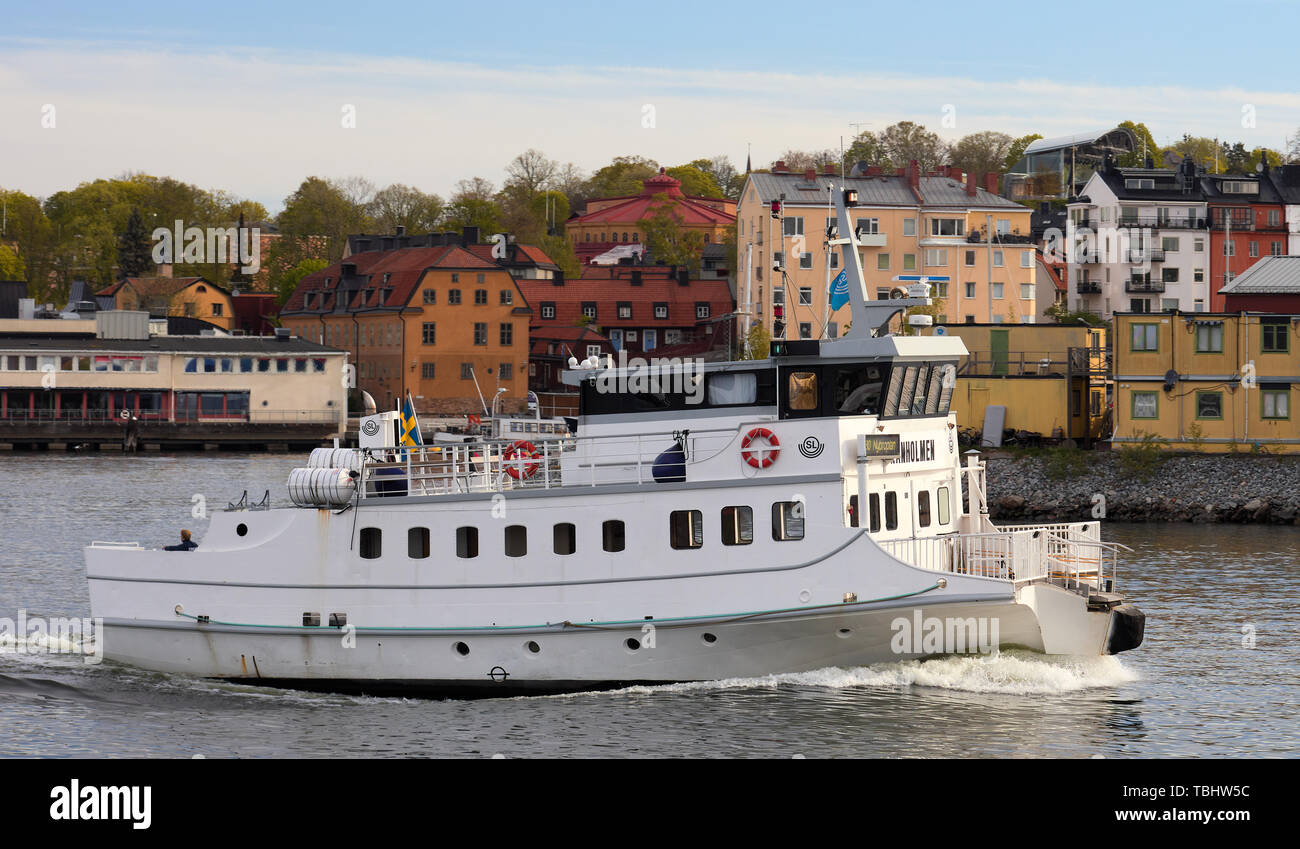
321	487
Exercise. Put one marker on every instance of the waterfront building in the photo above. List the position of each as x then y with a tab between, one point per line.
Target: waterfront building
613	222
1139	242
1247	222
82	381
653	310
945	224
192	297
1052	379
1210	382
1271	285
439	321
1058	167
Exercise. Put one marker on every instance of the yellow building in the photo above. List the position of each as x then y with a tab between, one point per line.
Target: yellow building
1207	382
192	297
1051	378
935	225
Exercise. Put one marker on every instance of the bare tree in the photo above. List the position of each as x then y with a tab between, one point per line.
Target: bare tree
475	188
982	153
530	171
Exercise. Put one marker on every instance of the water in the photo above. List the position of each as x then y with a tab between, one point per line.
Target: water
1193	689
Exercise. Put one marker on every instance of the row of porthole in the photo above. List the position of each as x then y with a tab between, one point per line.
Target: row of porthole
632	643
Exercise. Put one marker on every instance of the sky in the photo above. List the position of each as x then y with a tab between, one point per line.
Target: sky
253	98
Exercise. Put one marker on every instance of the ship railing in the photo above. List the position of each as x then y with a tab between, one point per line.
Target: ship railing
498	466
1061	554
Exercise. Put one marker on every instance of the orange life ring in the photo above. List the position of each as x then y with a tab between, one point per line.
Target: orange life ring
517	450
760	458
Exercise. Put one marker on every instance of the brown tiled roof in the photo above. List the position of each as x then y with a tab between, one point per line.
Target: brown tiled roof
608	291
405	267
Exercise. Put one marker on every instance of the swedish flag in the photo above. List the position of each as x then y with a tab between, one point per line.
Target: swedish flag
410	424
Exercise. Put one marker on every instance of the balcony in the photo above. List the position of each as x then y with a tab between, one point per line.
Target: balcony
1145	255
1088	287
1143	285
1192	222
976	237
872	240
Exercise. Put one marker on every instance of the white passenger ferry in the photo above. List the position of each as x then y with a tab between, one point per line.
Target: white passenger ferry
803	511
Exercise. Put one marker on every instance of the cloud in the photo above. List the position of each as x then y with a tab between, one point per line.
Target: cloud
256	122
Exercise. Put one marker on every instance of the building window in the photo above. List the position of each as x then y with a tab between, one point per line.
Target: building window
686	527
431	296
787	520
371	543
1274	338
936	256
997	291
1026	291
589	309
792	226
507	333
466	371
909	262
997	259
429	332
909	226
1275	249
701	310
1198	275
1169	275
1209	338
805	330
480	295
455	277
624	309
480	333
613	535
1276	403
1144	337
947	227
1209	405
593	351
548	310
882	262
506	371
661	310
970	290
805	295
835	260
1169	244
453	296
1229	247
417	543
507	297
481	277
737	525
970	259
426	371
805	260
1026	259
467	542
1198	245
1254	248
1145	405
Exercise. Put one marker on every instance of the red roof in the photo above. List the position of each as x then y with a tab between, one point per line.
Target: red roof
524	255
636	208
404	268
568	339
609	286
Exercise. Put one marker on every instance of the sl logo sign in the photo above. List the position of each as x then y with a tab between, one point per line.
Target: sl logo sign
811	447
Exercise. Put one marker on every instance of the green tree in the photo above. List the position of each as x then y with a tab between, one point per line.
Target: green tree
28	228
865	147
982	153
327	210
757	343
284	284
399	205
1235	158
11	267
1061	314
1017	150
623	176
134	250
666	239
1202	150
1146	146
905	141
695	181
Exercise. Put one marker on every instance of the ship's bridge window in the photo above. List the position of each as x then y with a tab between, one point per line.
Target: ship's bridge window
686	529
891	511
787	520
857	389
737	525
923	508
371	543
733	388
613	535
875	512
803	390
942	498
920	389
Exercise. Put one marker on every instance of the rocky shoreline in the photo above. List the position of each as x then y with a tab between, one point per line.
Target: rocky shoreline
1180	488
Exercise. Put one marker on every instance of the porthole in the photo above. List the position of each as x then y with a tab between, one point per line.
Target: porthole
709	638
632	643
241	529
532	646
460	648
844	632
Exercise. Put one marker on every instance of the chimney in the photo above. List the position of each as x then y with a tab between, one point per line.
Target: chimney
829	169
683	276
469	236
971	185
400	230
809	174
636	277
991	182
914	174
779	167
874	171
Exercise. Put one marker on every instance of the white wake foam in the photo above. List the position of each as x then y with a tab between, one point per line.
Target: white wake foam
1010	672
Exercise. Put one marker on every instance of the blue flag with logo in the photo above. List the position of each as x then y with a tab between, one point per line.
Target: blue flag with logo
840	289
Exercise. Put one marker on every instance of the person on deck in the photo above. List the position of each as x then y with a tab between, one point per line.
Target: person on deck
187	544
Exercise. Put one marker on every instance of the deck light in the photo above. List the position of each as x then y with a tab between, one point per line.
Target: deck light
776	209
850	197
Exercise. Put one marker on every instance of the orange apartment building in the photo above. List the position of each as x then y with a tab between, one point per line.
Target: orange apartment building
440	322
910	224
192	297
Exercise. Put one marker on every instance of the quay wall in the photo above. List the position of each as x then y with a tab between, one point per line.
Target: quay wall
1180	488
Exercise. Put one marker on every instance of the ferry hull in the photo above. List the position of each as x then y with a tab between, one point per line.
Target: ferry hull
570	659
